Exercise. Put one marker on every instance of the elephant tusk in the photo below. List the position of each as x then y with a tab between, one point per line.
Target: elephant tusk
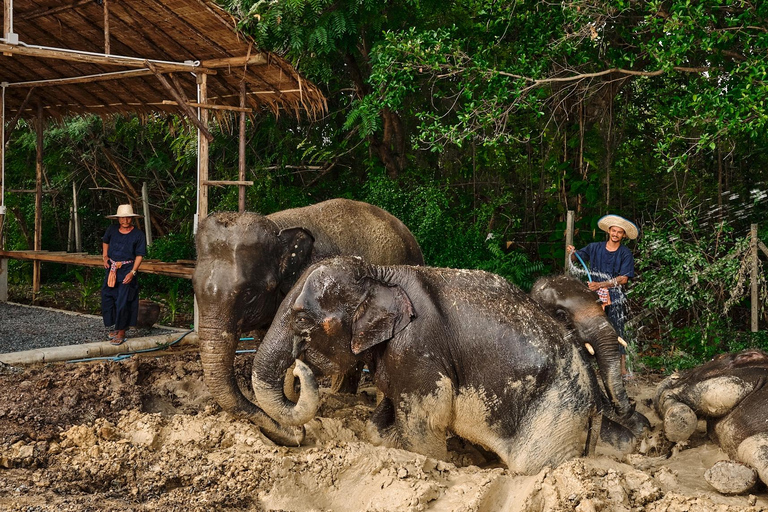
590	349
622	342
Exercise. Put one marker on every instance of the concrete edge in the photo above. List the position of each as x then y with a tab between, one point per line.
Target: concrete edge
98	349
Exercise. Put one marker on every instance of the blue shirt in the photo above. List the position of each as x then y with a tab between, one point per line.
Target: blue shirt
605	265
124	247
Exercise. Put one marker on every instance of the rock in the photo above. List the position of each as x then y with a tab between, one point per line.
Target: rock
730	477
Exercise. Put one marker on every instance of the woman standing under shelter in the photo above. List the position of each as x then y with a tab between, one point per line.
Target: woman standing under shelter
123	248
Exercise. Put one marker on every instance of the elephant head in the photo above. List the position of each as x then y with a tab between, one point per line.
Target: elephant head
331	320
565	294
245	264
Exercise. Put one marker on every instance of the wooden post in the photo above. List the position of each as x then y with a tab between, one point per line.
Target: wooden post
106	28
3	279
753	251
71	230
38	245
241	161
568	238
202	169
202	149
147	219
76	220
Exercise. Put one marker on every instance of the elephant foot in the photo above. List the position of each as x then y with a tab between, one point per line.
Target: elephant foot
679	422
730	477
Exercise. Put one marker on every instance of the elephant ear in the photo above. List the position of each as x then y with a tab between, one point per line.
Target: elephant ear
296	244
386	311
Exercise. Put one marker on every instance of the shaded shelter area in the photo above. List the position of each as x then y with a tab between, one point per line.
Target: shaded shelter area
108	57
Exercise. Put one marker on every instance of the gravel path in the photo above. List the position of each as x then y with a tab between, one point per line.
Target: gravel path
28	327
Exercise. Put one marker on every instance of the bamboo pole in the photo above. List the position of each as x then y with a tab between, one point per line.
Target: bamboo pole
106	28
241	153
38	244
568	238
76	220
177	95
147	219
202	148
753	247
71	231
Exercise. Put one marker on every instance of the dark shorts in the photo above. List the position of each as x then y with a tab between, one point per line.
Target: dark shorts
616	314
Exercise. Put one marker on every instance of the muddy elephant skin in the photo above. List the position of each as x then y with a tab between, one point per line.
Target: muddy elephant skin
731	394
246	263
566	295
451	350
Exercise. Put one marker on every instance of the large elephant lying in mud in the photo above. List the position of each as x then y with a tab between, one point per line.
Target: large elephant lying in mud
567	295
246	263
731	394
451	350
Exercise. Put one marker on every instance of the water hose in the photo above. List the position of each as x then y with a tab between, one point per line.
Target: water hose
589	276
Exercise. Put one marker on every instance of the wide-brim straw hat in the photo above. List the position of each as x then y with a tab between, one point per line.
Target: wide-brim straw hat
124	210
629	228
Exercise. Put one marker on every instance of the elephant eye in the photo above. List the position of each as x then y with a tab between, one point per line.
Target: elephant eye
302	321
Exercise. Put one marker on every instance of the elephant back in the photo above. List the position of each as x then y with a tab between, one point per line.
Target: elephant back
354	228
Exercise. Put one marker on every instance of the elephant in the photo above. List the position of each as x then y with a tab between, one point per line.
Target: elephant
247	262
730	392
460	351
564	294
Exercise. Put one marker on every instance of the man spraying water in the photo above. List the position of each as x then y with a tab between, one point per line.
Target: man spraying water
612	266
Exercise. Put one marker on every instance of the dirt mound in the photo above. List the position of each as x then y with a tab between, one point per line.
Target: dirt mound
145	434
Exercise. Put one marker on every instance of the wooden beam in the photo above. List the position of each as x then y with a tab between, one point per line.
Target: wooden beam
236	62
15	120
181	103
91	58
84	79
219	183
39	13
762	247
211	106
180	268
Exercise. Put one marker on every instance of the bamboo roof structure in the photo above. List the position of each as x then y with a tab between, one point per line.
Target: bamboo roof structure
108	57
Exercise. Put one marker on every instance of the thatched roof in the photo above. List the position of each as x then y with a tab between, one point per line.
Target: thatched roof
138	56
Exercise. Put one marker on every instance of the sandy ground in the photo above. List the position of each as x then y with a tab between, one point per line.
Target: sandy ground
145	434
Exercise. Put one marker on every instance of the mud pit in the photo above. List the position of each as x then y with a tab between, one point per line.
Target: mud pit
144	434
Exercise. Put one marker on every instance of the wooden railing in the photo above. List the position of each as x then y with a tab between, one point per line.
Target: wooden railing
180	268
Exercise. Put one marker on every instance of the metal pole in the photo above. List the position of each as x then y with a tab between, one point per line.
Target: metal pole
753	251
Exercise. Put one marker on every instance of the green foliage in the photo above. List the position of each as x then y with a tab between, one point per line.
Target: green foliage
171	247
451	234
688	349
692	274
90	285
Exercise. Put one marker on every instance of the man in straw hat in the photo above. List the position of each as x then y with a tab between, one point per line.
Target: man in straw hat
123	248
611	265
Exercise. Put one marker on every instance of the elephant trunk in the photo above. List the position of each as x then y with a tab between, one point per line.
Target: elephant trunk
593	326
217	355
270	365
